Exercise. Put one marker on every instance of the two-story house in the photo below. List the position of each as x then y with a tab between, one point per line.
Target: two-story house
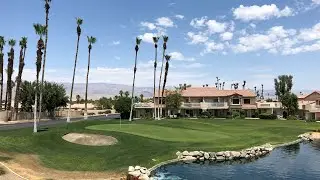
199	99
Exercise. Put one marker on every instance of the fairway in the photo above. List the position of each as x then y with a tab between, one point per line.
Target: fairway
145	142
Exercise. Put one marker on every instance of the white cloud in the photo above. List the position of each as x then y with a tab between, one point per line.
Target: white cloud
198	22
303	48
117	57
274	40
197	38
179	16
316	1
193	65
248	13
115	42
216	27
149	64
180	57
310	34
149	25
253	25
147	37
165	22
227	36
212	47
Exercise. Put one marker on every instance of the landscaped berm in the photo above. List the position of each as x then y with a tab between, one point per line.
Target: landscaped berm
146	143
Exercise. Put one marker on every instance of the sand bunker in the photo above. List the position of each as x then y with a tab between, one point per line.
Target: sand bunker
90	139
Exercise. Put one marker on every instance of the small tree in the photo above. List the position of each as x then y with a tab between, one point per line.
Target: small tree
283	86
122	104
173	101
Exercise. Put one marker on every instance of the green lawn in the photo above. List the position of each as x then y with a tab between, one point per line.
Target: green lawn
146	142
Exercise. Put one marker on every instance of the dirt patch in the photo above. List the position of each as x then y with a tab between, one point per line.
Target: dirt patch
29	166
90	139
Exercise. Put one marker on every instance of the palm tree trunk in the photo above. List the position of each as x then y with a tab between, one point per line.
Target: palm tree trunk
43	65
9	81
21	65
160	109
165	79
154	84
134	79
86	95
74	73
35	128
1	79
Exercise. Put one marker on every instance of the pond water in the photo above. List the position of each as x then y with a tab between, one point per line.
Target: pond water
299	161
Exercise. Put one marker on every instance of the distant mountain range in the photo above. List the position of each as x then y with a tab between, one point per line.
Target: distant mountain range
97	90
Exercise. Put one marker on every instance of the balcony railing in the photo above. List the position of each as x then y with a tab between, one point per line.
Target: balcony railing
204	105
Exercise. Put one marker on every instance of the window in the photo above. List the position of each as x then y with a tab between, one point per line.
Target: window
235	101
318	102
246	101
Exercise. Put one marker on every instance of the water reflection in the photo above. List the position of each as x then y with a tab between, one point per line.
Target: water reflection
299	161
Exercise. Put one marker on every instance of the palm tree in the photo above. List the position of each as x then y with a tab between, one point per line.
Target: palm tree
47	8
2	44
141	97
23	45
91	40
40	31
78	97
126	94
138	41
165	40
244	84
155	41
223	85
121	93
165	75
79	23
12	43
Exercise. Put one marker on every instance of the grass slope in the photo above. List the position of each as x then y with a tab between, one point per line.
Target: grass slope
146	142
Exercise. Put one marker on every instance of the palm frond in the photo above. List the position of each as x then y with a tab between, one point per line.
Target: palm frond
165	39
168	57
79	21
155	39
12	42
23	42
2	41
138	40
40	29
91	39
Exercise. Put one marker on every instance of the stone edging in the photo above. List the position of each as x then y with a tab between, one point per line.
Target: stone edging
222	156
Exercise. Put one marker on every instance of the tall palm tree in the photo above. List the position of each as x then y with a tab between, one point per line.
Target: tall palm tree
23	46
47	8
165	75
79	23
155	41
40	31
165	40
2	44
138	41
12	43
91	41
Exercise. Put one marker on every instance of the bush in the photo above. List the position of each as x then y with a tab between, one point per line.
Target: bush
236	115
105	112
90	114
205	114
255	115
267	116
292	118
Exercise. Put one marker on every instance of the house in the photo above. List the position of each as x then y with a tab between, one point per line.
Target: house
309	106
199	99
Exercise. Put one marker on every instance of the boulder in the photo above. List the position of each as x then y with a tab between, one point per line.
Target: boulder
227	154
178	153
135	173
195	153
243	154
201	153
219	153
131	168
236	154
143	171
212	154
137	168
206	155
201	159
247	156
220	158
144	177
185	153
189	158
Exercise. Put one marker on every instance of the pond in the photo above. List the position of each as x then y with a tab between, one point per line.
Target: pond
299	161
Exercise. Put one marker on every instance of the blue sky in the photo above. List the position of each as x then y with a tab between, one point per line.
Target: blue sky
252	40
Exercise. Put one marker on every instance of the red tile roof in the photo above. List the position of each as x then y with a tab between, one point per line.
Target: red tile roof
214	92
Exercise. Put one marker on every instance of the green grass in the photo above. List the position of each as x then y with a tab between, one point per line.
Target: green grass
146	142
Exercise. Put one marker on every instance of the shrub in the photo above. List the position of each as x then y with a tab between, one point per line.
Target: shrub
205	114
2	171
292	118
255	115
105	112
267	116
90	114
236	115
